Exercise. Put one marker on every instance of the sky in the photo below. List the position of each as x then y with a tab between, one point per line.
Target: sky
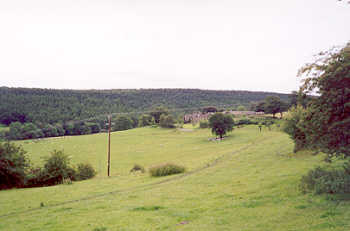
256	45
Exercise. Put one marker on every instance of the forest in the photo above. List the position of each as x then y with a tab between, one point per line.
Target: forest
60	106
38	113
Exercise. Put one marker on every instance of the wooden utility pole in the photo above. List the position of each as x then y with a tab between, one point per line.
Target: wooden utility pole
109	144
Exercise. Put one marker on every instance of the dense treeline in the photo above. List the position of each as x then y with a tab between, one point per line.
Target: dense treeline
60	106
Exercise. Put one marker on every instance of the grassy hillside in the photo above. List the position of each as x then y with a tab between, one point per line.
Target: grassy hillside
248	181
52	106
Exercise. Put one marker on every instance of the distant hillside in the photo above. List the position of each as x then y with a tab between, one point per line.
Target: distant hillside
52	106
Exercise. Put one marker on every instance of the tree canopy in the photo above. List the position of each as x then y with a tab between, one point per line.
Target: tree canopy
220	124
326	121
273	105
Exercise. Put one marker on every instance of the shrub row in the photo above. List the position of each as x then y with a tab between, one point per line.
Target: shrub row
15	170
57	169
24	131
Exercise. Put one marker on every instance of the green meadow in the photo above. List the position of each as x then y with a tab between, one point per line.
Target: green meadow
248	181
3	128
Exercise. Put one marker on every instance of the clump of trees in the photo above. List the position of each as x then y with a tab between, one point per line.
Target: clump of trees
167	121
122	122
271	105
220	124
323	123
158	112
146	120
14	166
19	131
16	171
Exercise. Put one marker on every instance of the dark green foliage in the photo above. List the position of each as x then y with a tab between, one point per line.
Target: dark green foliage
327	179
294	127
273	105
31	131
209	109
166	169
293	99
15	169
245	121
94	127
260	107
158	112
121	123
135	121
84	171
69	128
49	130
241	108
8	117
137	167
204	124
56	168
20	131
13	166
60	130
61	106
167	121
145	120
220	124
81	128
327	120
15	132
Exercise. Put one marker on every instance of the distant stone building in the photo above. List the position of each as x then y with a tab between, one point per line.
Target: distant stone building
244	113
196	117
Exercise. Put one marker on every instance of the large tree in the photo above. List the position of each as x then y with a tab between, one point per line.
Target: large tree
273	105
220	124
167	121
157	112
13	166
122	123
327	122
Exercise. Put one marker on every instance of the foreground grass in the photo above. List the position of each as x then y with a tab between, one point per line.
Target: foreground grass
249	181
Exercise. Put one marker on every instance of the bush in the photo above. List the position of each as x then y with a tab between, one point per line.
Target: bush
56	168
138	167
122	123
167	121
327	179
84	171
293	126
204	124
166	169
145	120
245	121
13	166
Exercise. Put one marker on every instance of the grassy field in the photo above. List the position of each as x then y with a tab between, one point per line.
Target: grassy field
3	128
248	181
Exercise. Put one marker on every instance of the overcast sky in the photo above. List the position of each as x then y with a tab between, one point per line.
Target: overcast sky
216	44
